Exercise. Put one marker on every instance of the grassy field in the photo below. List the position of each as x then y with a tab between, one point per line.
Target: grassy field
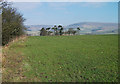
84	58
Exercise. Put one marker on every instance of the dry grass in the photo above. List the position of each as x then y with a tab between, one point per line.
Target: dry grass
12	62
15	40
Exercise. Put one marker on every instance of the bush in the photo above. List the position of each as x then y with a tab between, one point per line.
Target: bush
12	23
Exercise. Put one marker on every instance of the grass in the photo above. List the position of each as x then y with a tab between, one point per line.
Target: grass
84	58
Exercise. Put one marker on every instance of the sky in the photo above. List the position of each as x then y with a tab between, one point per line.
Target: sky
64	0
65	13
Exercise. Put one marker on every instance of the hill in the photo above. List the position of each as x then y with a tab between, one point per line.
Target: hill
86	27
96	27
37	27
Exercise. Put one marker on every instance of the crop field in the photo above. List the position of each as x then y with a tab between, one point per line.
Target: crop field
83	58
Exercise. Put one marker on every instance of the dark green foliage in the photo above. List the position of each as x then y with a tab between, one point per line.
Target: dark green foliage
59	26
48	28
12	23
78	30
55	30
48	31
60	29
43	32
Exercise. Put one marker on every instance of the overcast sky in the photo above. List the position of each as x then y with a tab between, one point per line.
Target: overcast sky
65	13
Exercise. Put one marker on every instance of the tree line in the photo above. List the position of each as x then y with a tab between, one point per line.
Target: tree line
58	30
12	22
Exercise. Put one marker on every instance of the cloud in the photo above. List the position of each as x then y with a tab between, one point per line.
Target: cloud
64	0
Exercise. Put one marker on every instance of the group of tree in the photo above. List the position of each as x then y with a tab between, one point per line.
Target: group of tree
12	22
58	30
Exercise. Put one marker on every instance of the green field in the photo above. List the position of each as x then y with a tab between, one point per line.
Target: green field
84	58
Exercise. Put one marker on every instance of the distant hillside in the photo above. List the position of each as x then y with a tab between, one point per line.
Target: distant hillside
37	27
96	28
86	27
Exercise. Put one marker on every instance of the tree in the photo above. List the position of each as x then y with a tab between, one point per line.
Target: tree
50	32
43	32
60	29
12	23
0	23
78	28
47	29
55	30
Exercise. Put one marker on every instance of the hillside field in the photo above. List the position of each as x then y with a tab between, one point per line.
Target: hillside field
82	58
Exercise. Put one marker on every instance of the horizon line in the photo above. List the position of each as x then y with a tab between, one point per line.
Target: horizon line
74	23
